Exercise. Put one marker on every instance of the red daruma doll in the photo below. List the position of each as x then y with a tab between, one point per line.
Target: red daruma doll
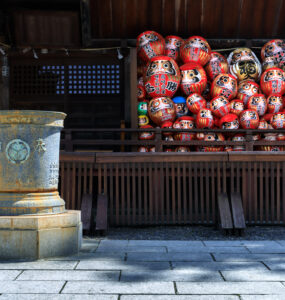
161	109
216	65
229	121
272	81
220	106
274	103
258	103
195	102
249	119
246	89
193	78
236	106
205	118
172	46
162	77
278	120
224	85
150	44
184	123
195	49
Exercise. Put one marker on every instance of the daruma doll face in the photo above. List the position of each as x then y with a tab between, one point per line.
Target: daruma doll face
258	103
274	103
278	120
249	119
195	102
161	109
205	119
172	46
246	89
220	106
216	65
224	85
272	81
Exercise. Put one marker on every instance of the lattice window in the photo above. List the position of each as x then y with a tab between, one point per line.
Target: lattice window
72	79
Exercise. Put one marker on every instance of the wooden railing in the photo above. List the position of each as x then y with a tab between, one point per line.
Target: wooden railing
176	188
74	140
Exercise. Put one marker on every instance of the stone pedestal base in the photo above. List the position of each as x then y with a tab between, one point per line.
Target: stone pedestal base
40	236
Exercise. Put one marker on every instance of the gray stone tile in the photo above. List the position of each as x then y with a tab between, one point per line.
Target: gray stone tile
275	265
178	297
249	257
114	243
41	264
122	265
281	242
275	249
131	249
169	243
208	249
258	275
237	243
108	287
9	274
224	288
57	297
31	287
70	275
261	297
219	266
171	275
168	256
91	256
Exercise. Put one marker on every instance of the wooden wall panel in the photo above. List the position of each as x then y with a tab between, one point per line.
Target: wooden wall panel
209	18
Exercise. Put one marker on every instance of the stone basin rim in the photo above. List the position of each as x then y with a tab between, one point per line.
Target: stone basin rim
39	113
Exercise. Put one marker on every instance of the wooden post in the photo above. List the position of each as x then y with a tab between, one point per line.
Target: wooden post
249	141
158	145
4	84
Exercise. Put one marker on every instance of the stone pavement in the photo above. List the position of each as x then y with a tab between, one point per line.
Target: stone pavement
153	270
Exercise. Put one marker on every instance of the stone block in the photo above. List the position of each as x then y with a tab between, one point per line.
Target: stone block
240	243
178	297
9	274
40	264
258	275
262	297
208	249
224	288
57	297
108	287
168	243
249	257
39	236
130	249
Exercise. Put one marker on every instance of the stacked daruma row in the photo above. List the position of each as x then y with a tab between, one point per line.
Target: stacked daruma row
186	85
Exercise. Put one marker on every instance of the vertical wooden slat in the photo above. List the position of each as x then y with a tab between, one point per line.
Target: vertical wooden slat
128	194
213	190
254	189
238	178
207	190
161	200
150	190
278	192
224	177
117	195
123	206
134	194
232	178
219	177
91	179
67	184
179	192
156	189
111	194
201	167
272	188
79	180
105	189
85	179
261	185
167	193
100	188
73	185
145	179
283	192
140	193
196	194
249	194
266	191
173	192
185	208
244	190
190	194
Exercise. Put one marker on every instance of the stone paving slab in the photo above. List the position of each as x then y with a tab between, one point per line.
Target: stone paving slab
178	297
275	265
258	275
130	249
208	249
9	274
122	265
249	257
236	243
88	287
261	297
70	275
167	243
171	275
57	297
223	288
114	243
168	256
31	287
40	265
281	242
275	249
219	266
91	256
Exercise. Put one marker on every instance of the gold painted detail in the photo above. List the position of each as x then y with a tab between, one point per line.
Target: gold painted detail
40	146
17	151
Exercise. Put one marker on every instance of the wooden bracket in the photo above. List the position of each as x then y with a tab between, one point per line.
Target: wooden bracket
225	216
237	213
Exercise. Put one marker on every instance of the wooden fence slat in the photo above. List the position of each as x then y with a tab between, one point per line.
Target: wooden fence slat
278	192
150	189
146	178
140	193
79	180
266	173
128	194
185	208
213	184
134	194
272	188
207	188
261	185
196	197
283	192
179	219
111	194
190	193
85	178
156	190
123	195
173	192
167	186
255	192
202	200
244	190
117	195
73	185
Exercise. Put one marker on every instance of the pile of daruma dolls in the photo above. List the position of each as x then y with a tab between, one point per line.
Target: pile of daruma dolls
184	85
